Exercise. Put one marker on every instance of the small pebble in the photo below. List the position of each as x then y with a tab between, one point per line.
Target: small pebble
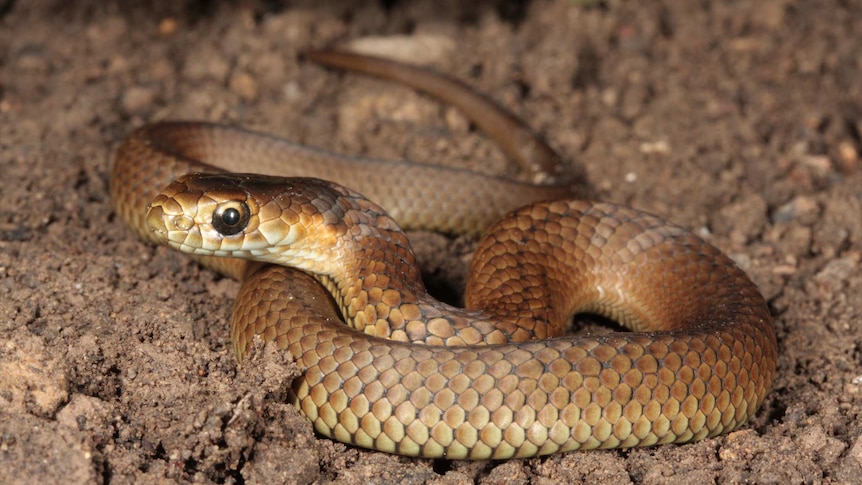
802	209
244	85
168	26
137	100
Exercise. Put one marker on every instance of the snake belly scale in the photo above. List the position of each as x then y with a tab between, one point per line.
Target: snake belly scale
421	378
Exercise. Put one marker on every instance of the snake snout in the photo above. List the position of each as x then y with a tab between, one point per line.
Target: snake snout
163	224
156	221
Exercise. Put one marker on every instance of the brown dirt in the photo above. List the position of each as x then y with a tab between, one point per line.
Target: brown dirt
740	120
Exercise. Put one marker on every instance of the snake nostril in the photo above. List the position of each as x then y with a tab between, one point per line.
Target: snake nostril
181	222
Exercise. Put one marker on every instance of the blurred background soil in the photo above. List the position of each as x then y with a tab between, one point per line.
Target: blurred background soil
739	120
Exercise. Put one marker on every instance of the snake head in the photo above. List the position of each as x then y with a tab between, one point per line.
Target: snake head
289	221
205	214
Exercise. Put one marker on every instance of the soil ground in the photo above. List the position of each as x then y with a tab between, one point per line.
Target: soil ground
739	120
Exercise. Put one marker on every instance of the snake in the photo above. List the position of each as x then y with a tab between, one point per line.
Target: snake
329	276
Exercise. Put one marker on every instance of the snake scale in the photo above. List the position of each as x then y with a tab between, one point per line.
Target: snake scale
414	376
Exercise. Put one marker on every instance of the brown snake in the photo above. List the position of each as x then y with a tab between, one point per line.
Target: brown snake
457	383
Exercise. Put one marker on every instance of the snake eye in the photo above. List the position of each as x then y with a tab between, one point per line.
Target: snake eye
231	217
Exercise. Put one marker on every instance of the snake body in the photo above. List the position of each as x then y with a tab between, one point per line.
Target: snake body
449	382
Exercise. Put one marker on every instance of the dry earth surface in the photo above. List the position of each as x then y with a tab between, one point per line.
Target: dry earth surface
739	120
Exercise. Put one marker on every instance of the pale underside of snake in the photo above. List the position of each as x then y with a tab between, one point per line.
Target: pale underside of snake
414	376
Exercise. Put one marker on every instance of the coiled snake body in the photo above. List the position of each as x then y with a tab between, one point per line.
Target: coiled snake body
449	382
